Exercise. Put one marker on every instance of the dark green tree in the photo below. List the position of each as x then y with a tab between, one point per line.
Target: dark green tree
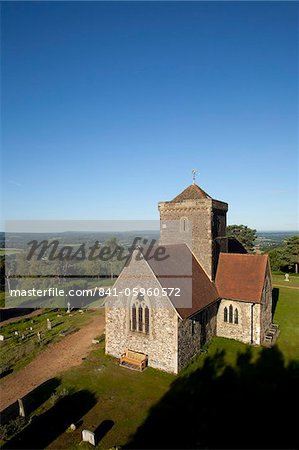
286	257
243	234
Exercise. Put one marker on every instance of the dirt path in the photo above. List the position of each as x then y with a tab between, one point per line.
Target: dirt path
283	285
56	358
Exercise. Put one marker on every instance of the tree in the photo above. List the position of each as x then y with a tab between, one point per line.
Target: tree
292	252
243	234
286	257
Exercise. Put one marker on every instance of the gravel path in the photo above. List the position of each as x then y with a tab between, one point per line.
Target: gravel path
56	358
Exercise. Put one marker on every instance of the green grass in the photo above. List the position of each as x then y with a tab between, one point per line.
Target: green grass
9	251
287	316
280	280
2	299
110	392
15	353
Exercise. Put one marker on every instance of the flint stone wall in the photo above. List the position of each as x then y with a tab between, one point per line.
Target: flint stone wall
208	219
192	337
160	345
248	329
266	307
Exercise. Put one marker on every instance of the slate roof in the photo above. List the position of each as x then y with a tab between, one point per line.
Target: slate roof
192	192
182	270
241	276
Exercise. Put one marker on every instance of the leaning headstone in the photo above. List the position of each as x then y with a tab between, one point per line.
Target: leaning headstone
286	277
49	325
23	336
2	337
21	408
89	436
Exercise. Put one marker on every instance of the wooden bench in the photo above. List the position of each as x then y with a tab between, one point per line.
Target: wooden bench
135	359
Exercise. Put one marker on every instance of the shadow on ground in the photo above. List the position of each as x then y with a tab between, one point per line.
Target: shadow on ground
31	401
250	405
275	298
50	425
103	429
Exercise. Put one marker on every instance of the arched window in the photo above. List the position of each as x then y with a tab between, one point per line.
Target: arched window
184	224
230	317
133	318
225	314
236	316
140	314
146	320
140	318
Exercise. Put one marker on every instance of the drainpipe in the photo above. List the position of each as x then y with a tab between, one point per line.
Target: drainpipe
251	339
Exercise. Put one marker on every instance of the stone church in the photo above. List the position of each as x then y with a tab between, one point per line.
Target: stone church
222	293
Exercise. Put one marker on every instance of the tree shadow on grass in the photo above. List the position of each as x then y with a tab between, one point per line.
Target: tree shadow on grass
31	401
249	405
47	427
103	429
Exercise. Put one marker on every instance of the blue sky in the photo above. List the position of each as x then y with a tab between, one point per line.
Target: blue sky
107	107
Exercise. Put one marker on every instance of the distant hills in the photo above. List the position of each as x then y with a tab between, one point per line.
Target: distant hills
265	239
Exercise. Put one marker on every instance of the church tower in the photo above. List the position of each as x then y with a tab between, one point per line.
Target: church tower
198	220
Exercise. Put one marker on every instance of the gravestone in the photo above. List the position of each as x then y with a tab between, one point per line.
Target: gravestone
49	325
2	337
286	277
68	307
39	336
30	328
89	436
21	408
72	427
16	333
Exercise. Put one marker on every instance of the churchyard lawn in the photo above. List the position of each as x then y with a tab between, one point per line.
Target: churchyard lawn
26	338
114	401
279	280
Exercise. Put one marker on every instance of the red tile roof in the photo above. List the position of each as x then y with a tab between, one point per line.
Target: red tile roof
241	276
192	192
182	270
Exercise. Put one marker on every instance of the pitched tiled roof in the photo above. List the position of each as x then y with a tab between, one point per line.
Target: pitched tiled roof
192	192
182	270
241	276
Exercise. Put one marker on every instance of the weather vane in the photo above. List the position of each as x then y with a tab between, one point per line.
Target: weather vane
194	173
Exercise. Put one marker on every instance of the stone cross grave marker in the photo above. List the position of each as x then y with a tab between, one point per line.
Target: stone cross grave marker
286	277
89	436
